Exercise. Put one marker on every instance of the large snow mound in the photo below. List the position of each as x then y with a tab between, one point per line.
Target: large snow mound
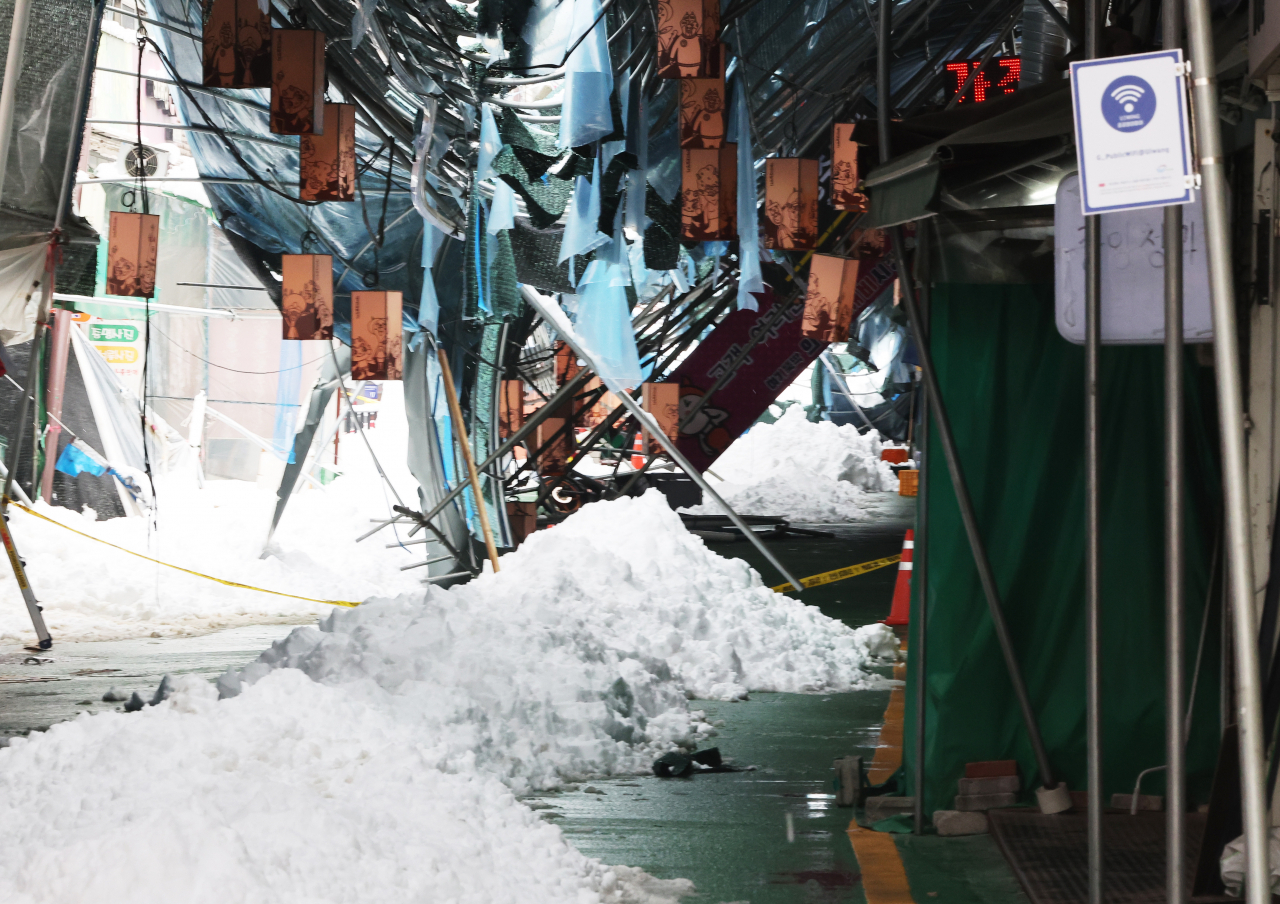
376	758
816	472
577	657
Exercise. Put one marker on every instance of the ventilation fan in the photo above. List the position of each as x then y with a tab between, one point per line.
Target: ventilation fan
141	161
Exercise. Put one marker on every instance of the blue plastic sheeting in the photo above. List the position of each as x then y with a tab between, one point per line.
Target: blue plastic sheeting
604	322
588	82
288	386
429	306
581	233
490	144
750	279
276	224
502	215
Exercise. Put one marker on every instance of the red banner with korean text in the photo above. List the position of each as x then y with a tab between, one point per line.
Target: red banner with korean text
771	365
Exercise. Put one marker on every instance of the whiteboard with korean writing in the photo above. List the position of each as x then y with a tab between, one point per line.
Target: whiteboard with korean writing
1132	272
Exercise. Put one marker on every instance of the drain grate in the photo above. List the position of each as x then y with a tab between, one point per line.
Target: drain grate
1049	855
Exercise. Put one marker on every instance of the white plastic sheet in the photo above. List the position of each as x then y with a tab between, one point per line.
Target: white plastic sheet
20	268
750	279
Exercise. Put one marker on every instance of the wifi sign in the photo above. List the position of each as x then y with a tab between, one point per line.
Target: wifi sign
1128	104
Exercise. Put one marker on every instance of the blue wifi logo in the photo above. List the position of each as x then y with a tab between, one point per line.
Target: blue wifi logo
1128	104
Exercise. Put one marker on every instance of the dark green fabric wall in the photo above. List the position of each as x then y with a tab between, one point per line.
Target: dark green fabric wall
1014	391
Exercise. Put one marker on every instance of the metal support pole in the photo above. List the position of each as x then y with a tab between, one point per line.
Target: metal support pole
1174	477
1092	525
917	652
12	73
60	348
552	314
1174	604
947	439
1239	554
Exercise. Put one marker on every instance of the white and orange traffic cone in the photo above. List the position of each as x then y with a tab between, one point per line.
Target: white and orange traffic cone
899	614
637	451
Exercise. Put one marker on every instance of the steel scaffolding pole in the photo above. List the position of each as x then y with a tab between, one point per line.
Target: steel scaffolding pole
1239	554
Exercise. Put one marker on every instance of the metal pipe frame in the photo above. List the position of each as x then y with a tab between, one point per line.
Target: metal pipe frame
918	650
1174	506
1230	397
1092	551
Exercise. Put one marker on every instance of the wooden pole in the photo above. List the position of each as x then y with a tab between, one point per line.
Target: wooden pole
460	432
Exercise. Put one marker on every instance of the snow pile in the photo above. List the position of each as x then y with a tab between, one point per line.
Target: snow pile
816	472
93	592
293	793
390	776
576	658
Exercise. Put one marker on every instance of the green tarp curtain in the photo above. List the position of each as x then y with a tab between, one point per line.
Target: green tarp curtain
1014	391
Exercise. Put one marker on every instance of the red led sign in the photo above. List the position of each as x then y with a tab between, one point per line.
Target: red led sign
998	78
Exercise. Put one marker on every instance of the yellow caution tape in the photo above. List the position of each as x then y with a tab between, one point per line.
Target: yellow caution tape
849	571
207	577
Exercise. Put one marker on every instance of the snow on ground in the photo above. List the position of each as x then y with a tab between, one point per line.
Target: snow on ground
92	592
803	471
376	757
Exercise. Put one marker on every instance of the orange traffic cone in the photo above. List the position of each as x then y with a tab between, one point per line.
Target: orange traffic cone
902	589
637	450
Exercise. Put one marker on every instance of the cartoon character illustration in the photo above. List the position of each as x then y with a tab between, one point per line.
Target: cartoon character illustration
253	53
703	125
693	216
294	114
684	50
709	188
844	183
819	313
123	278
302	312
706	426
220	58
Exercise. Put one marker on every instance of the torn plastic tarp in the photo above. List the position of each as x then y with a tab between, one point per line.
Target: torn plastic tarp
604	323
588	81
750	279
581	233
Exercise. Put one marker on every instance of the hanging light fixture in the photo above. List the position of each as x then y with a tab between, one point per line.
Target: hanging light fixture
791	203
708	193
702	120
306	296
133	240
297	81
828	304
844	170
237	45
689	39
328	159
376	336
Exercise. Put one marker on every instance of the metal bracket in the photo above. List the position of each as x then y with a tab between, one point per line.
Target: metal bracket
1192	181
1182	69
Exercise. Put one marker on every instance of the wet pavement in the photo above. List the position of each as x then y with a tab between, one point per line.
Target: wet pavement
39	689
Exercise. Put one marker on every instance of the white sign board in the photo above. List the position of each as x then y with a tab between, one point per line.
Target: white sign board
123	345
1132	258
1132	140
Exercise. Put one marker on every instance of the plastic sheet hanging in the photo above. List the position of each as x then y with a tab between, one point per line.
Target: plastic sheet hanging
588	81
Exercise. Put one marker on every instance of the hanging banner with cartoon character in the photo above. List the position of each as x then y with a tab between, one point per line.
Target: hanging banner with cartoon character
327	162
297	81
237	44
702	122
376	336
306	296
708	194
689	38
771	365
